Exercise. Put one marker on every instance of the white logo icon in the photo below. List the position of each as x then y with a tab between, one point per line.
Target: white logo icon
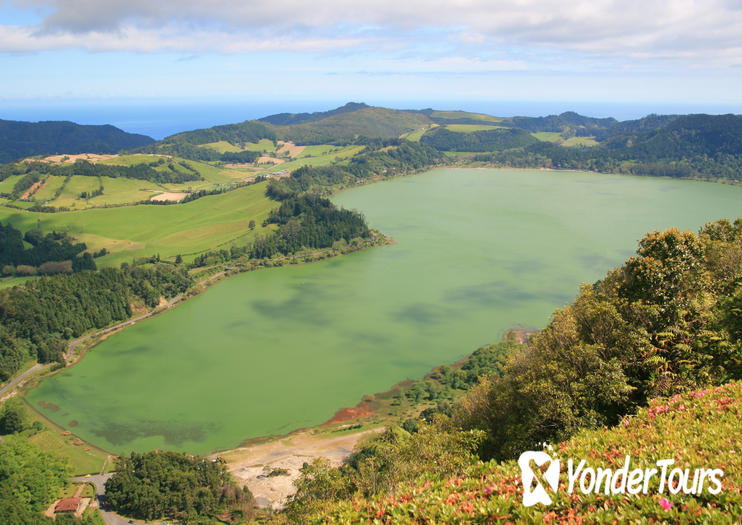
538	494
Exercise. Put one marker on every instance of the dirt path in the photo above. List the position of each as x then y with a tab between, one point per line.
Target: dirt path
36	186
7	389
251	465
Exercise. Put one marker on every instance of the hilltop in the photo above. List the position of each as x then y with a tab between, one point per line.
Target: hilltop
690	146
24	139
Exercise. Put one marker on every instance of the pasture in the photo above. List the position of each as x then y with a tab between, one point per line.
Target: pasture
136	231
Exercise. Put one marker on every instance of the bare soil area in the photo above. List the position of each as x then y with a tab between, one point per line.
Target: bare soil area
169	196
270	160
90	157
289	147
251	465
36	186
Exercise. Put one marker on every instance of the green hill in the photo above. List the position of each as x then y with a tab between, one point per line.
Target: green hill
285	119
346	126
498	139
25	139
696	146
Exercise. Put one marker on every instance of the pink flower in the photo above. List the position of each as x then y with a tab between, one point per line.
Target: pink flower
665	504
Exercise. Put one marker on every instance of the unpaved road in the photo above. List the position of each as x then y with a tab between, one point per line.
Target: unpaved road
251	465
12	384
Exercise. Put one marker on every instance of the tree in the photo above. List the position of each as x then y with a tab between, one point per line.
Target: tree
13	417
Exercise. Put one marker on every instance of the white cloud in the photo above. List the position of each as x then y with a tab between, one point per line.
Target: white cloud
693	31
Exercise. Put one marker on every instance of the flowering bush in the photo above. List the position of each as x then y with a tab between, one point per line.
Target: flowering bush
699	429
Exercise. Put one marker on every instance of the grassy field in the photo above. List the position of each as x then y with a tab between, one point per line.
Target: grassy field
50	188
414	136
83	458
317	150
70	196
136	231
319	160
580	141
263	145
222	146
548	136
455	115
120	190
470	128
131	160
9	282
459	154
6	186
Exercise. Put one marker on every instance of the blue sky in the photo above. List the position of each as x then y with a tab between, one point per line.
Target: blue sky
685	52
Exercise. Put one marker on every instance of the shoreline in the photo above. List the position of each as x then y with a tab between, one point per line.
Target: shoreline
21	384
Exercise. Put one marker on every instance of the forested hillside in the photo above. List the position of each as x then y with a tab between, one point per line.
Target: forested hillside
38	318
486	140
285	119
25	139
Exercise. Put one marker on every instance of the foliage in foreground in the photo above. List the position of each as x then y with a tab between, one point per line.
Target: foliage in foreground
30	479
698	429
178	486
381	465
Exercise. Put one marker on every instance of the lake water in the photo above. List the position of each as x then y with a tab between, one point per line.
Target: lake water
275	350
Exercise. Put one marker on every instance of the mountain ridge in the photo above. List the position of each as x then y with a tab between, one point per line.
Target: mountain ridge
20	139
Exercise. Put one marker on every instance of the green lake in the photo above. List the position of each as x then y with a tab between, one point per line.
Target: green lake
267	352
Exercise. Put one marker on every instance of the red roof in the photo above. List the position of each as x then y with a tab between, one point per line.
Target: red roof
67	505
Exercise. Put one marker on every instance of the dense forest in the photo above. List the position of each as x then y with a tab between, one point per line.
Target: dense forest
286	119
666	322
308	221
54	247
25	139
248	131
486	140
699	146
176	486
38	318
30	480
